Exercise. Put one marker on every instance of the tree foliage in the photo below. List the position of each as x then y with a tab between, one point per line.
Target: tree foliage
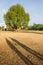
0	28
16	18
36	27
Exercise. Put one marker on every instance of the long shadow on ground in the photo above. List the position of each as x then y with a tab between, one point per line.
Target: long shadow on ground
24	58
38	55
33	32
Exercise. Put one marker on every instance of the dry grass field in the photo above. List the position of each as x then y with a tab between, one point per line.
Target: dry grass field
18	48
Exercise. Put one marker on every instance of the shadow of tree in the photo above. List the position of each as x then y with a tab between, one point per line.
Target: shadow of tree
38	55
34	32
24	58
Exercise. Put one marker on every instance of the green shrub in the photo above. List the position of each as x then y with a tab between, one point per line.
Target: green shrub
36	27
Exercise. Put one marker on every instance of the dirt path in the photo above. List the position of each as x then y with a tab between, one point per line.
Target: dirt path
21	48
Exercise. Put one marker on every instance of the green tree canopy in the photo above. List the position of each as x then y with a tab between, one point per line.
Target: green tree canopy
36	27
16	17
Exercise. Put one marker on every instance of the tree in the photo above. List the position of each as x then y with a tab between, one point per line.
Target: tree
36	27
16	18
0	27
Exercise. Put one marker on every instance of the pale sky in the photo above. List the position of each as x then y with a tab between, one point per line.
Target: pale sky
33	7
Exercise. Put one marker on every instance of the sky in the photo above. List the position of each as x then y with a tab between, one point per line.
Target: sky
33	7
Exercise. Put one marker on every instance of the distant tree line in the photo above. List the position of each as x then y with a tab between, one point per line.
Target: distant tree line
36	27
33	27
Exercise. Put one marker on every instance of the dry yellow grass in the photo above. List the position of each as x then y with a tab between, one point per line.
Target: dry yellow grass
21	48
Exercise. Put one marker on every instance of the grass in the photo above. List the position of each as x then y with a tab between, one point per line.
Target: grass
21	48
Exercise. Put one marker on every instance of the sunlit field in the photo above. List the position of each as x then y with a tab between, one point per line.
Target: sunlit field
21	48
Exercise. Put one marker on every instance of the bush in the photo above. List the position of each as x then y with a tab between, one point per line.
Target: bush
36	27
0	27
